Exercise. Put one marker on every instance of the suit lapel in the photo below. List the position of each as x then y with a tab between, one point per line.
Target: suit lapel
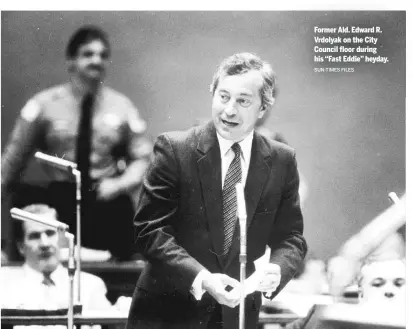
258	172
209	170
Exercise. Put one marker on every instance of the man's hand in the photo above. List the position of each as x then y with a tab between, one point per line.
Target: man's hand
108	189
270	280
216	283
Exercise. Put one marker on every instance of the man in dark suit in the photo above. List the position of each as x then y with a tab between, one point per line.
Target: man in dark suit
185	224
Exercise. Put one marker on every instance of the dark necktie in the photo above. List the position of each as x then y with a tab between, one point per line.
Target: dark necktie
229	197
47	280
84	142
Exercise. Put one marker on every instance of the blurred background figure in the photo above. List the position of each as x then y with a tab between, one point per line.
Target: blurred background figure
42	282
379	240
98	128
311	280
383	282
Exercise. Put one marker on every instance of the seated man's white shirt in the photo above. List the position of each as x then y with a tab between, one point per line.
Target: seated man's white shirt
22	288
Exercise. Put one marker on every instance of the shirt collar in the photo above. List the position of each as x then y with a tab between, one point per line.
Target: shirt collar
37	276
79	89
245	144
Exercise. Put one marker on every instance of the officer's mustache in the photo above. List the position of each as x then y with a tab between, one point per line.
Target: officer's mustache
96	67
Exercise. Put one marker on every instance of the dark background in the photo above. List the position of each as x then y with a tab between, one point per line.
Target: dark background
348	128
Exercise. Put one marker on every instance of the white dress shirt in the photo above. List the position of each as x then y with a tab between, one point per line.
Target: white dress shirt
227	155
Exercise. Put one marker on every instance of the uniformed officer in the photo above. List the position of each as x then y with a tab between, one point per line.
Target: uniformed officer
82	117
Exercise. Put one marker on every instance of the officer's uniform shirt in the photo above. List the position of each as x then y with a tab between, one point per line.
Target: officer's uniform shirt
49	123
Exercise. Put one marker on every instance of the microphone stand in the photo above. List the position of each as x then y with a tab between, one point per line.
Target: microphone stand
71	269
71	167
60	227
242	216
76	173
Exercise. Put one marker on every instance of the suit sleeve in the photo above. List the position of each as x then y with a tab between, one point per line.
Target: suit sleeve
288	246
156	215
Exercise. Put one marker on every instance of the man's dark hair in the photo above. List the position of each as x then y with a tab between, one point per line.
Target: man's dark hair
18	230
245	62
83	36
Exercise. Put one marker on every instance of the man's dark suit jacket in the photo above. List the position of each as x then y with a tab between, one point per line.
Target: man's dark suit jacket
179	229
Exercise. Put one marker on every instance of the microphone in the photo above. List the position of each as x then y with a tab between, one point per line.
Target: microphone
19	214
55	161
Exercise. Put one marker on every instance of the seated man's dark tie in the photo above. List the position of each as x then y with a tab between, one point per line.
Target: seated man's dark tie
47	280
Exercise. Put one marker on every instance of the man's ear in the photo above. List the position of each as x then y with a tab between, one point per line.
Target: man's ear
262	112
20	248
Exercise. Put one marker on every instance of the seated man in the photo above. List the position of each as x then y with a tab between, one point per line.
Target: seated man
382	282
378	239
42	282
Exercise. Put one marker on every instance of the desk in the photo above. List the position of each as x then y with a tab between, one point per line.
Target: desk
342	316
89	318
114	318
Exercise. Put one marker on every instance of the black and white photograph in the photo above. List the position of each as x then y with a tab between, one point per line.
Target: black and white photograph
211	169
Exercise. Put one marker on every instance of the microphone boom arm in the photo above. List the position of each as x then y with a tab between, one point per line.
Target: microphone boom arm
19	214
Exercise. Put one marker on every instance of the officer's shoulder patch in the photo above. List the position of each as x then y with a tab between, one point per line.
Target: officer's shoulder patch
31	110
137	125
